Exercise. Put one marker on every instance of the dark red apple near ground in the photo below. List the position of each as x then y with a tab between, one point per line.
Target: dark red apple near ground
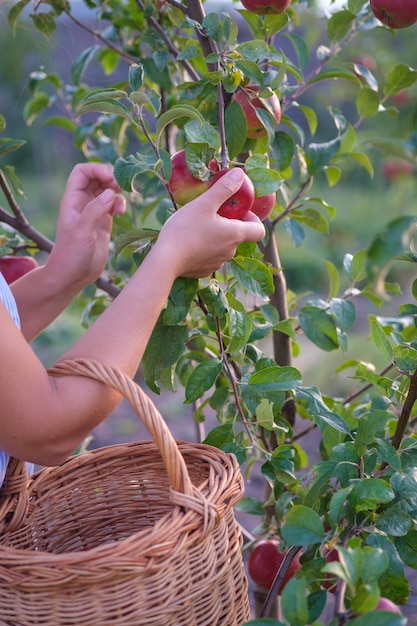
264	562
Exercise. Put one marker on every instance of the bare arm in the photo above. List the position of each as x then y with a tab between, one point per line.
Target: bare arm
42	419
80	250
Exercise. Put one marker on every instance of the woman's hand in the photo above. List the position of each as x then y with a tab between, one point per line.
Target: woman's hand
84	226
196	241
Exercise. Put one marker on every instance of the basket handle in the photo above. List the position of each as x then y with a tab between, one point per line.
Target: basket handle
150	416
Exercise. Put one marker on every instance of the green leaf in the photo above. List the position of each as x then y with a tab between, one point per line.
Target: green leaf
369	493
368	426
14	13
380	339
275	378
294	602
265	181
34	106
302	526
214	298
319	327
407	548
81	63
355	266
134	236
300	47
311	399
240	327
44	22
253	275
176	112
332	73
334	279
201	379
104	106
164	348
9	145
400	77
340	24
394	522
235	126
250	506
367	102
319	154
283	150
220	436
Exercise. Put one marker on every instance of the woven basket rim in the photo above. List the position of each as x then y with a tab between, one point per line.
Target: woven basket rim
224	461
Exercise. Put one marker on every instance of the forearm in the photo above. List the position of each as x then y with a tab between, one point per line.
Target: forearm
41	297
64	410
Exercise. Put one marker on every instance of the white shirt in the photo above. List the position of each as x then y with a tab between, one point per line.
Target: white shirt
7	298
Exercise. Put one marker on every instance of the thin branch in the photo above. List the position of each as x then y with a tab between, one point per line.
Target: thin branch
172	49
406	412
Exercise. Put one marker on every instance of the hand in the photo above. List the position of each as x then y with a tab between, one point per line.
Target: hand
85	221
197	241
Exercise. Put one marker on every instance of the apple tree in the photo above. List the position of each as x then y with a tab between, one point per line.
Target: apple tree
235	86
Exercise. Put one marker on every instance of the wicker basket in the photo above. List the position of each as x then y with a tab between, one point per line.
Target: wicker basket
136	534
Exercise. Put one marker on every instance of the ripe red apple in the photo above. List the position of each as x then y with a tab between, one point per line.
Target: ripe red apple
395	13
183	185
263	7
395	168
264	562
13	267
263	205
249	101
385	604
241	202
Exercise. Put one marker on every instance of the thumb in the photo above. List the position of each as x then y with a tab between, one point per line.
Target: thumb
227	185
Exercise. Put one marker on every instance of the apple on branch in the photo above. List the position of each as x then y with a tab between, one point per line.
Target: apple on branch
13	267
249	100
265	7
241	202
263	205
183	185
395	13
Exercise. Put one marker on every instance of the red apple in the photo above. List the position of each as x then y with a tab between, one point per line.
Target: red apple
385	604
183	185
249	101
395	13
263	7
395	168
13	267
241	202
263	205
264	562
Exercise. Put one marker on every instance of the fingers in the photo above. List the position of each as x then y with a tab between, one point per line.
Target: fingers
256	230
92	175
221	190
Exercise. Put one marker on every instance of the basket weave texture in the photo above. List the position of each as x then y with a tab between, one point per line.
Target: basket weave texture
136	534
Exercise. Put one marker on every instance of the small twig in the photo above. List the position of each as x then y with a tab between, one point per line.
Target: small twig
406	412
